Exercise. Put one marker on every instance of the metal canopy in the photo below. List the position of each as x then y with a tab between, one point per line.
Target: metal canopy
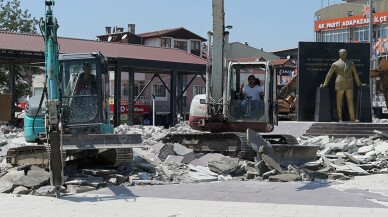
118	65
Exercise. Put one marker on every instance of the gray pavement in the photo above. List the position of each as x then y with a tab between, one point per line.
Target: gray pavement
296	193
296	199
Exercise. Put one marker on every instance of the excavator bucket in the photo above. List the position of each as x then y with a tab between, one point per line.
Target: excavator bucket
284	154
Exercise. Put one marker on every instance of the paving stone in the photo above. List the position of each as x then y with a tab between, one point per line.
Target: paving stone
365	149
313	165
174	159
203	161
351	158
35	177
284	178
271	163
339	176
202	169
224	165
74	189
261	168
224	177
251	175
165	151
201	177
270	173
20	190
382	148
187	153
156	147
7	181
351	169
47	190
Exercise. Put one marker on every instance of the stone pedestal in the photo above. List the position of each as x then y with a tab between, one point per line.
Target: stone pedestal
363	112
322	105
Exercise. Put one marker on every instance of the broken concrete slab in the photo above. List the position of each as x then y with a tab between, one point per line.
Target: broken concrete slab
224	165
47	190
35	177
203	161
7	181
271	163
284	178
165	151
365	149
201	177
188	154
350	169
202	169
20	190
224	177
251	175
269	173
74	189
174	159
339	176
156	147
382	148
261	168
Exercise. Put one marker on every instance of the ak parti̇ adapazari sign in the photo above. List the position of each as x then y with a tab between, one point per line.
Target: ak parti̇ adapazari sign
352	21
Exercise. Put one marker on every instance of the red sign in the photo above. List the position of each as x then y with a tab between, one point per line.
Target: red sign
351	21
138	109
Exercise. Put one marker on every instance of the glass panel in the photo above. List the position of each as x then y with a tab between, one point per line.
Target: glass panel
247	109
247	103
180	45
79	100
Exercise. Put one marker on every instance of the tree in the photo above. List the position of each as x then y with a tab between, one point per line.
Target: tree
13	19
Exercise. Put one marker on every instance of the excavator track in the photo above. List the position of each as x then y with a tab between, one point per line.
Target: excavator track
232	144
38	155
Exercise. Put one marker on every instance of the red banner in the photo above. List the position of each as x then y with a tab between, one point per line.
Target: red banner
138	109
351	21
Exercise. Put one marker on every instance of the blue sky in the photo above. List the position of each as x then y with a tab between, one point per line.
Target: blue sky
271	24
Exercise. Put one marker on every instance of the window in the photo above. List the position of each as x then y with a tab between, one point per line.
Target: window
125	90
160	92
350	13
382	31
338	35
197	89
180	45
165	42
196	48
317	18
361	34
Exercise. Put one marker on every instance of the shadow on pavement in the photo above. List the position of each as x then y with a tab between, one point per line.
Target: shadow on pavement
109	193
313	185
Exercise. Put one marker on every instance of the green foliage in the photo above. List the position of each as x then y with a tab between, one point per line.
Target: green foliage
14	19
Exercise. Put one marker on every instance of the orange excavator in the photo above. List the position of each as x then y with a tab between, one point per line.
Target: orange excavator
287	100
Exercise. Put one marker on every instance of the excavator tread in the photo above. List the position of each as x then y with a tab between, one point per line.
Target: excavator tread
228	143
39	155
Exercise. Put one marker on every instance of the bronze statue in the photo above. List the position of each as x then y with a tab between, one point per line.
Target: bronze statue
346	73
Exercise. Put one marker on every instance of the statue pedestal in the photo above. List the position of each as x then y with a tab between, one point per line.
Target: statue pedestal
322	105
363	112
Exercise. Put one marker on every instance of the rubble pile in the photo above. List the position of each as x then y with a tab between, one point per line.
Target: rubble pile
159	163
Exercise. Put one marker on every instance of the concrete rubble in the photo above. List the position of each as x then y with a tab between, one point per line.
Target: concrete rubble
159	163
